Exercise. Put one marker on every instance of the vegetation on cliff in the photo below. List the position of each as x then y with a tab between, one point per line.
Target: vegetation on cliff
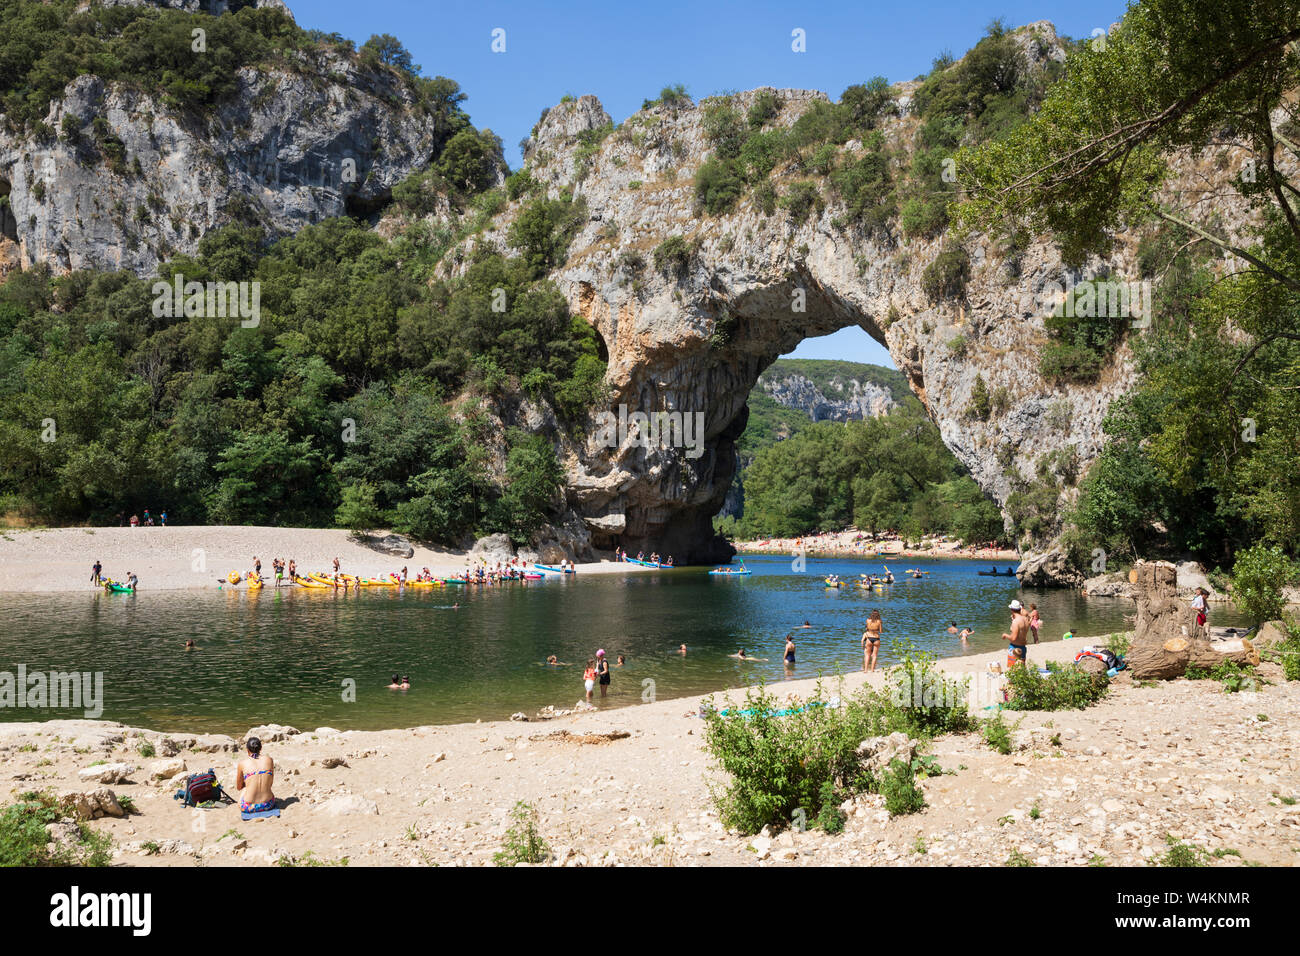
1202	453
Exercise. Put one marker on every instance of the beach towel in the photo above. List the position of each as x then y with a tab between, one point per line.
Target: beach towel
258	814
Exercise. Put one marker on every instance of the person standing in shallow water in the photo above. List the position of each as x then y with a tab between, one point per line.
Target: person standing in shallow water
602	673
871	641
589	678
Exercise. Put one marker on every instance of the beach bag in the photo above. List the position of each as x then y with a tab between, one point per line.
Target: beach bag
200	788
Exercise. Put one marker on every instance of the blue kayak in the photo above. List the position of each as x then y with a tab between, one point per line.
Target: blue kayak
545	567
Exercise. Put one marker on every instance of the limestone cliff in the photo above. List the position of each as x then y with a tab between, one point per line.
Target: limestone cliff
841	398
318	136
694	337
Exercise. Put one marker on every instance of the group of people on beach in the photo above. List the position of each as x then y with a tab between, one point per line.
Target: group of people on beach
135	521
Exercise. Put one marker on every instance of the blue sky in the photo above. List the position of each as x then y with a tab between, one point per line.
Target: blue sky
624	53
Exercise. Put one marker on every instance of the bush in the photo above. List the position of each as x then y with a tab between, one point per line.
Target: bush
1064	688
523	842
718	186
1258	576
997	734
867	189
830	817
23	838
980	404
543	230
926	702
672	255
902	795
801	200
1230	674
946	277
765	107
781	762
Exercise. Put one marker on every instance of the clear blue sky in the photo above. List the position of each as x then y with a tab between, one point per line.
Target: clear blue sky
624	53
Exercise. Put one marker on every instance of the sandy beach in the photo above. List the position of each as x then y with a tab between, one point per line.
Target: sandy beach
856	544
178	557
631	786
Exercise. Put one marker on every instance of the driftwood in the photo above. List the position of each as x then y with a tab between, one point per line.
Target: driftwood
1167	639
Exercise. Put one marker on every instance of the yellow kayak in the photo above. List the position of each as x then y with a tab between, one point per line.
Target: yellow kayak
233	577
345	580
256	584
309	583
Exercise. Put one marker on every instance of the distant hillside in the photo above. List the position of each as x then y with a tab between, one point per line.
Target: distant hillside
832	391
793	393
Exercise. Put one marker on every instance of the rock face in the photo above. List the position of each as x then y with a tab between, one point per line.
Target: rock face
289	148
853	401
694	339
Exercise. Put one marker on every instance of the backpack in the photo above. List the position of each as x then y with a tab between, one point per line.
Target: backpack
200	788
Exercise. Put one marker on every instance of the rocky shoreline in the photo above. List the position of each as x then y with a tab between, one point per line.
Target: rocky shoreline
631	787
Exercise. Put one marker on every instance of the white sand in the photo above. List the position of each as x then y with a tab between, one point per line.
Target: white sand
179	557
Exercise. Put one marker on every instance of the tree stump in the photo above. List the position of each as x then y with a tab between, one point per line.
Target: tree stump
1167	639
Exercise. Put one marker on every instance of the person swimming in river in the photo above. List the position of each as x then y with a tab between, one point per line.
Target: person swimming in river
952	627
553	661
396	683
740	655
802	626
682	650
965	633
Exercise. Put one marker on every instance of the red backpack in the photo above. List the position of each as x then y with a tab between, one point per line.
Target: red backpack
200	788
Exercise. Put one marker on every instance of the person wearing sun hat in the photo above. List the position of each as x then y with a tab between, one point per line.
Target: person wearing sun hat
602	671
1017	640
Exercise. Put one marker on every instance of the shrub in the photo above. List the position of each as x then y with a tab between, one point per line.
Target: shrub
997	734
765	107
830	817
523	842
23	838
1182	854
543	230
724	127
1064	688
1231	675
902	795
1118	644
925	702
718	186
867	190
1258	576
946	277
980	405
765	197
520	183
672	255
801	200
780	761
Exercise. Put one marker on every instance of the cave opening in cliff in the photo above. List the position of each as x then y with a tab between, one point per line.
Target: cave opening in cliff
366	209
8	223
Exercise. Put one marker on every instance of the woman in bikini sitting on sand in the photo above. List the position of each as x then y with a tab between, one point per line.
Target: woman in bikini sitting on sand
253	779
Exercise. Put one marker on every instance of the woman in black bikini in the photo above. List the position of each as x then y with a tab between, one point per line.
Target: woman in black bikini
789	651
871	641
